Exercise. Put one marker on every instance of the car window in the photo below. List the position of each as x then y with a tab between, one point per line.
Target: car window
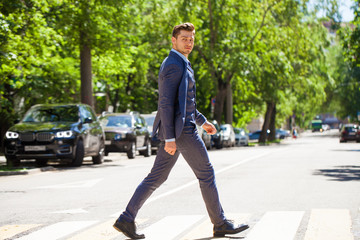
116	121
52	114
150	120
351	129
90	112
86	113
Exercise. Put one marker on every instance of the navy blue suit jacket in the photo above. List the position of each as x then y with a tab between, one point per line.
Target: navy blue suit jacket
173	85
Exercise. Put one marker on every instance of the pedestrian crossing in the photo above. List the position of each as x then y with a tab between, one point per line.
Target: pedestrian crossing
318	224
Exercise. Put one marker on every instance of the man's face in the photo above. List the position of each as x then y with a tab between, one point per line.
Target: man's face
184	42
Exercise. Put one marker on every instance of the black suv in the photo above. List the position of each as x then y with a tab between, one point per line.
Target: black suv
126	132
56	131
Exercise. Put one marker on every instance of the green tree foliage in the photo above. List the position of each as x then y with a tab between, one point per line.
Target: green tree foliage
249	55
348	85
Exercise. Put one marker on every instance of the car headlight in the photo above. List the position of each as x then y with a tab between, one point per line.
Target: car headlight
11	135
64	134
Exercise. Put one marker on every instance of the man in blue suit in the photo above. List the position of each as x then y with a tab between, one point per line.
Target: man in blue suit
176	122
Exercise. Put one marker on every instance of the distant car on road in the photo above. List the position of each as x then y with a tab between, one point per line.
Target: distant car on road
350	132
229	135
56	131
241	137
126	132
155	141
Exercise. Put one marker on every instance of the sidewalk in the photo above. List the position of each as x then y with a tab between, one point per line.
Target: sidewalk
26	171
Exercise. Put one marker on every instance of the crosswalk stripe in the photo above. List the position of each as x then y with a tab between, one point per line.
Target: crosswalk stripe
103	231
170	227
205	229
58	230
9	231
329	224
323	224
276	226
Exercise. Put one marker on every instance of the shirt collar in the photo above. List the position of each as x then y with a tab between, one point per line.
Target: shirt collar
182	56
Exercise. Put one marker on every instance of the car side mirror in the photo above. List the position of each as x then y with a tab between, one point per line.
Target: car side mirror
88	120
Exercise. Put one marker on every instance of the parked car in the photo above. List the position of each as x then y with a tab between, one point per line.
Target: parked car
241	137
56	131
256	135
126	132
282	134
229	135
205	137
350	132
155	141
217	139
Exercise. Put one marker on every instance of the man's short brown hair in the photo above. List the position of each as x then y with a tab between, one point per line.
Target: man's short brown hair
185	26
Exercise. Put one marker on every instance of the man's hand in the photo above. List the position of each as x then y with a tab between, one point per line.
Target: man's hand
170	147
209	128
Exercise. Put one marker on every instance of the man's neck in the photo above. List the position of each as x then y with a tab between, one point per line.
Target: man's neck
180	54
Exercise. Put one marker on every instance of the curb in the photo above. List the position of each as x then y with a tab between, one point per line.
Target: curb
27	171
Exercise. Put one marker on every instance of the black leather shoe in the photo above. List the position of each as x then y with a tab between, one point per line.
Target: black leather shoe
229	228
128	229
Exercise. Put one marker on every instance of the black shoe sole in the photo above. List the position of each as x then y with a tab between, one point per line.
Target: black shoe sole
222	234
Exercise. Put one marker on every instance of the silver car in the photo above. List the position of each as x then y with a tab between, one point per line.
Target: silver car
241	137
229	135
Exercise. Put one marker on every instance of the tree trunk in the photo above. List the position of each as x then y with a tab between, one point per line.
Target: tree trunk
85	71
263	135
272	127
229	104
220	100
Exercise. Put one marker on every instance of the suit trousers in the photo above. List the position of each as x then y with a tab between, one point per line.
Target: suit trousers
194	151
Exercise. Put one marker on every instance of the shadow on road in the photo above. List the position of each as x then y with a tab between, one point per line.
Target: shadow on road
346	150
341	173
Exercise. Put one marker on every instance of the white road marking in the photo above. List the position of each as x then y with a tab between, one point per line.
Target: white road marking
329	224
58	230
276	226
9	231
204	230
72	211
103	231
80	184
170	227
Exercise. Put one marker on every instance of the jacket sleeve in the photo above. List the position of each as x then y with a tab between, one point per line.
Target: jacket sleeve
199	118
169	80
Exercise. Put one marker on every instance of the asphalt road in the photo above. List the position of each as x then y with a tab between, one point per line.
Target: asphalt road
308	188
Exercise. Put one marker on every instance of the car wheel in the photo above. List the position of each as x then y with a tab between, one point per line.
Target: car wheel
41	162
131	153
12	161
79	154
100	157
147	152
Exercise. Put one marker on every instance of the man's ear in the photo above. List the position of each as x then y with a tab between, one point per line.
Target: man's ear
173	40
